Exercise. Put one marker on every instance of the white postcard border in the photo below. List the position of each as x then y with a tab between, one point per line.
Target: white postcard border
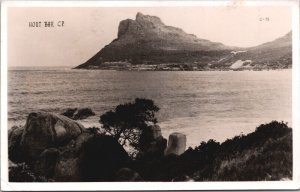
80	186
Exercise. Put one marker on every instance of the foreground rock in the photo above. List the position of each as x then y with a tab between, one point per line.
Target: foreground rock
67	165
46	163
41	131
77	114
47	130
153	143
59	148
15	153
94	157
90	158
176	144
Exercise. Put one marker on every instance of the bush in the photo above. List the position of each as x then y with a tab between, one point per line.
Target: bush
265	154
127	121
23	173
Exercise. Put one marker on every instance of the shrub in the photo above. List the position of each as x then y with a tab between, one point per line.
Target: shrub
128	120
101	157
22	173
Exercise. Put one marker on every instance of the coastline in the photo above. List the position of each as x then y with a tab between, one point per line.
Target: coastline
210	130
241	158
177	69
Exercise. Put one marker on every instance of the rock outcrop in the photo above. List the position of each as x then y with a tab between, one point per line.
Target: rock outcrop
47	130
45	165
15	153
152	142
147	40
60	149
67	166
95	157
176	144
76	114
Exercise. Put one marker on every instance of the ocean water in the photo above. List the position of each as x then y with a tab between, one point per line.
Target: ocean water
201	104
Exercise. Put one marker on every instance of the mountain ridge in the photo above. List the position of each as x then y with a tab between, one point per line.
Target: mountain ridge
148	41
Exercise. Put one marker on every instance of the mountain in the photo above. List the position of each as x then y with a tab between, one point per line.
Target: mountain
146	43
276	54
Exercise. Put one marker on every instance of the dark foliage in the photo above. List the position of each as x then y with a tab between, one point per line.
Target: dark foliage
23	173
265	154
128	120
126	174
93	130
101	157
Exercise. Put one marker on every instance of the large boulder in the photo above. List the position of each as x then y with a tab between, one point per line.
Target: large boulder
152	142
155	132
176	144
157	147
90	158
15	153
47	130
67	167
46	162
67	164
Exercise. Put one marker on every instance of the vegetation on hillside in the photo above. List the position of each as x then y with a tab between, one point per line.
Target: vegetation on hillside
265	154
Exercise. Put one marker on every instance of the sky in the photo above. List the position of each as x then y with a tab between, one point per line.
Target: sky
87	30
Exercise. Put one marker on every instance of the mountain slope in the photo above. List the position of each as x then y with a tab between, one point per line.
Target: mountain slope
147	43
276	54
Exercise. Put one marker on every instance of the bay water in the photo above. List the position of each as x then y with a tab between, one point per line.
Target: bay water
201	104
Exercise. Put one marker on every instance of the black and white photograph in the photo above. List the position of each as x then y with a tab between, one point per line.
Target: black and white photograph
154	92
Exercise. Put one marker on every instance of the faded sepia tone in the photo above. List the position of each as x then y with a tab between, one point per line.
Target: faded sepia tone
87	30
169	94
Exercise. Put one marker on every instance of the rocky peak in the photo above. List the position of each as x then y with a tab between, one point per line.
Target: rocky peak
146	39
143	19
139	25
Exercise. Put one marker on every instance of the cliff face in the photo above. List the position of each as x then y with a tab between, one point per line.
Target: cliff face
147	40
151	32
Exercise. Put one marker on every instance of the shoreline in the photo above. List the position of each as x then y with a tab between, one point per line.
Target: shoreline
211	131
207	70
241	158
66	68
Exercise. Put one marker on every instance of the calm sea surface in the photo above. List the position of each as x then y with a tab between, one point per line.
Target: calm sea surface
203	105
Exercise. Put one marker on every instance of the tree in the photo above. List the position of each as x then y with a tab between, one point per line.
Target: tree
128	120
